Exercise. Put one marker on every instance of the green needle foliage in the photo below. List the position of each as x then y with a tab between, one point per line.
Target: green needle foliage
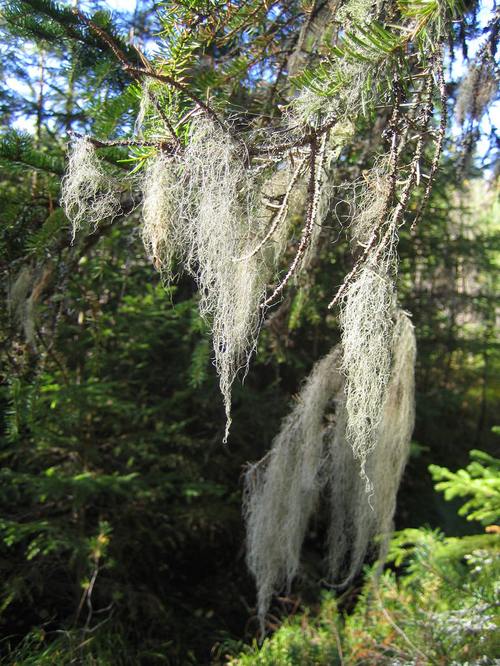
480	481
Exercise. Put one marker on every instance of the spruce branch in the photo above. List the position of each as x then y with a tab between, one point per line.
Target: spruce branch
103	143
138	72
166	120
121	57
103	36
415	163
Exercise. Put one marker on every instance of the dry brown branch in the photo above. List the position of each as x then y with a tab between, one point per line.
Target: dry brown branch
316	165
439	142
280	212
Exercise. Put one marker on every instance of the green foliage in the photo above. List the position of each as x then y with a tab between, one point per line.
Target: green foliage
372	43
443	609
308	640
106	647
110	479
381	49
480	479
17	149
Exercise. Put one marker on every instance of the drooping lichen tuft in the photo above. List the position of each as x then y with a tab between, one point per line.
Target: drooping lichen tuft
355	518
89	194
282	490
216	212
161	233
206	209
366	319
477	90
312	453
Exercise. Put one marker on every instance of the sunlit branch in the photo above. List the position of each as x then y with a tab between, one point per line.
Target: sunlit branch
314	187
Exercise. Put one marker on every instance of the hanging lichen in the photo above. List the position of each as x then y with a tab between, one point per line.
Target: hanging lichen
356	518
160	226
221	196
366	319
313	453
282	490
89	193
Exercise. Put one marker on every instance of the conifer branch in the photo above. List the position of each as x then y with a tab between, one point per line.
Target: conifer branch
103	143
103	36
121	57
156	103
165	78
415	163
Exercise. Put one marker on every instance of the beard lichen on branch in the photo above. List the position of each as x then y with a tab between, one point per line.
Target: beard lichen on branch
217	208
282	490
355	518
218	201
89	193
311	463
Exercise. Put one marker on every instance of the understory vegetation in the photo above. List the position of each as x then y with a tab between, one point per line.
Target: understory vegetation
249	253
441	607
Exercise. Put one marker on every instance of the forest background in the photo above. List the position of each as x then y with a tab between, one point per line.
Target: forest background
121	537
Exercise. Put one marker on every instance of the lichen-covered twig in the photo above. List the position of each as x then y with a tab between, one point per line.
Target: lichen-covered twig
103	143
306	140
280	212
103	36
314	187
439	141
404	197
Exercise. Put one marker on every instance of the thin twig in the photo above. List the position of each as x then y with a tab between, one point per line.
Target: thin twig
156	103
279	215
439	142
339	643
102	143
165	78
393	623
90	590
396	149
313	189
103	35
415	163
404	198
267	6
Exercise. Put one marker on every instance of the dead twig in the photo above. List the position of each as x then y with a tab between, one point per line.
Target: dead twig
316	158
